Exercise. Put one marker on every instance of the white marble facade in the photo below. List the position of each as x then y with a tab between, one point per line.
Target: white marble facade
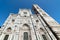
28	26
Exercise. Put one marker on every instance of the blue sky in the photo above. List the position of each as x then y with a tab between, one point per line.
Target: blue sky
52	7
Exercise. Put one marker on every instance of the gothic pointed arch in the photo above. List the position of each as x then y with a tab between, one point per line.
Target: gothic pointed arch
26	26
42	31
26	32
9	29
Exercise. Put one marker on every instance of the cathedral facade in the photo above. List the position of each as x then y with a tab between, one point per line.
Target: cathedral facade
28	26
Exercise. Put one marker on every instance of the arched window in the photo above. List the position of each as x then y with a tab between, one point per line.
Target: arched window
26	25
6	37
25	35
43	33
44	37
41	29
13	20
9	29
